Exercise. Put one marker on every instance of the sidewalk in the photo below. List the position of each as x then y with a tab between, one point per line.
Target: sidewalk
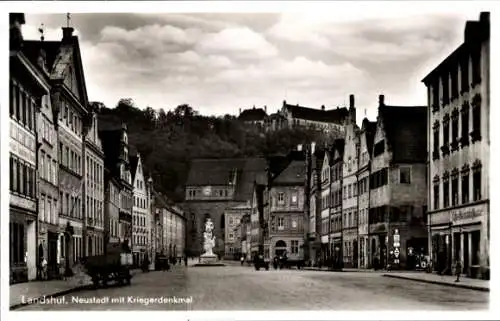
325	269
448	280
22	293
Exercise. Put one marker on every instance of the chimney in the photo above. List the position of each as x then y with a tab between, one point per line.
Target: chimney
16	35
323	107
484	17
351	101
265	109
67	33
240	111
381	100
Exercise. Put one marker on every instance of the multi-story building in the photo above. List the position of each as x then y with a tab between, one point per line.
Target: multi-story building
28	85
233	218
366	145
331	121
255	116
336	165
314	161
111	207
350	189
140	211
94	186
115	146
63	64
398	188
246	233
459	146
326	203
258	226
212	186
286	201
170	227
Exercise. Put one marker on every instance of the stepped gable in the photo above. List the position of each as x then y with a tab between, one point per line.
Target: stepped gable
406	132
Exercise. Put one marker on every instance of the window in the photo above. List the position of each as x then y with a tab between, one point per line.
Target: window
42	165
454	190
17	249
476	66
281	198
465	185
42	207
464	70
446	133
294	198
49	210
294	223
295	247
436	195
281	223
465	124
355	189
349	191
446	89
476	118
435	151
476	182
454	129
231	236
345	192
446	192
454	83
405	175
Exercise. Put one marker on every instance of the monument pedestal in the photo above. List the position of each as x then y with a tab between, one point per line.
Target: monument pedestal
209	260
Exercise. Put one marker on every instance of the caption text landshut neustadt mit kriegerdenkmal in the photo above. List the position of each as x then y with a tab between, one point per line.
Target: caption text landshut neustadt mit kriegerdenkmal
109	300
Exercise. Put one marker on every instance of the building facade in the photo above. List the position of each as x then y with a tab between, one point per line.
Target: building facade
459	147
336	161
170	228
214	185
111	208
366	144
331	121
94	186
233	217
141	211
350	206
286	201
398	193
27	87
326	203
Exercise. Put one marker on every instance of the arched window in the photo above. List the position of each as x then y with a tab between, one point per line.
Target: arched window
280	243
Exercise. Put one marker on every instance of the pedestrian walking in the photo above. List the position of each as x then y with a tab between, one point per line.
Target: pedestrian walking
458	270
186	261
242	260
44	269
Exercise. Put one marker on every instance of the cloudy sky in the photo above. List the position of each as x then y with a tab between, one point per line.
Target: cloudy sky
221	62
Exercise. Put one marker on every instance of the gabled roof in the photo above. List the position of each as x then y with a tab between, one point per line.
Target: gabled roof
293	174
254	114
337	116
58	56
406	132
134	161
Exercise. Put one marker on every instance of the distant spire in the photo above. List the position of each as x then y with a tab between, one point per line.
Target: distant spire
365	112
68	19
41	30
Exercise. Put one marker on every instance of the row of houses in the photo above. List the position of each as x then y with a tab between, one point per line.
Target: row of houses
75	187
412	183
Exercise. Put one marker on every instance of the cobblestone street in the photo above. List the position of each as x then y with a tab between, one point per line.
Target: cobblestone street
233	287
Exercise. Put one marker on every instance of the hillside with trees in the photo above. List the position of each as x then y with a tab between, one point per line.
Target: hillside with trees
168	141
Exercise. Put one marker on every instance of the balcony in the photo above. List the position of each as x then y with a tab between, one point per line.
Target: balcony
445	150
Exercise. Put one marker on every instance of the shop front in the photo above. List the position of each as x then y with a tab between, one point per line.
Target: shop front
23	249
440	242
469	240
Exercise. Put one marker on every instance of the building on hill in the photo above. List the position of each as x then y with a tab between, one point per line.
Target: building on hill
254	116
398	189
214	185
328	120
459	154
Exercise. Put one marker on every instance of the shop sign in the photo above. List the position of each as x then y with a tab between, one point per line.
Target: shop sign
465	214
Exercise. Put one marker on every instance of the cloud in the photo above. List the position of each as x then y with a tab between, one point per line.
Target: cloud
239	41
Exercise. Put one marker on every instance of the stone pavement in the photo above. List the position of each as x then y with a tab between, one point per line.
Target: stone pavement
448	280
